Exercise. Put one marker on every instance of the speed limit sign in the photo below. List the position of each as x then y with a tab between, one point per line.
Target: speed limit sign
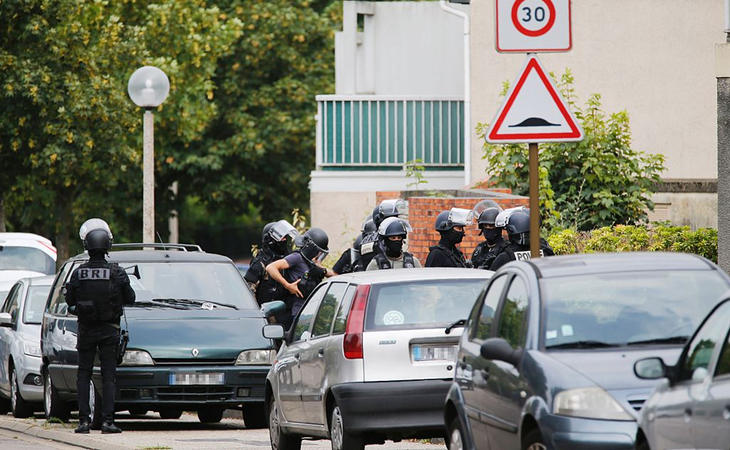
533	26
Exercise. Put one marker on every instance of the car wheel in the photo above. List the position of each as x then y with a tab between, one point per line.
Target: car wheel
254	415
94	406
53	405
20	408
456	436
210	415
341	439
170	413
280	440
533	441
140	411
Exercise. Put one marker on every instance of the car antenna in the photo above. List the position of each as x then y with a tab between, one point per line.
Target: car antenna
161	242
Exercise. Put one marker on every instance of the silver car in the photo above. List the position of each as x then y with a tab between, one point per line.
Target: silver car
369	357
21	385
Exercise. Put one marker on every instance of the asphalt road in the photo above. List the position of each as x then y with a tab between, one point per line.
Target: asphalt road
151	432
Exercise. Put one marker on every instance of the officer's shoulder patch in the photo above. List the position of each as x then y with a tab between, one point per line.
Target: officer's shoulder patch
88	273
367	248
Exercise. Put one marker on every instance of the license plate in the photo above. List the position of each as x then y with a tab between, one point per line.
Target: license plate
189	378
433	353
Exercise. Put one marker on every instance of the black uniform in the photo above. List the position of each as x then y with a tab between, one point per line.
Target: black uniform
346	263
265	288
368	249
445	255
98	289
513	251
484	255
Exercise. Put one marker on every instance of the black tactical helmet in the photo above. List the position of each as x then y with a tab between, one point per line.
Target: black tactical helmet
393	226
518	227
369	227
96	235
265	237
387	208
451	218
313	243
488	216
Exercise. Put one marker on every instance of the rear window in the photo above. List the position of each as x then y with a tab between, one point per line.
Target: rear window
421	304
34	304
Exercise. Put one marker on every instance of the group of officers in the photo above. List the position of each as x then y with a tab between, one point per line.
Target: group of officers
276	273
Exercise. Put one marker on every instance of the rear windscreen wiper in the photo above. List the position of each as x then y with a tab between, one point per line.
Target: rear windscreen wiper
189	301
666	340
582	344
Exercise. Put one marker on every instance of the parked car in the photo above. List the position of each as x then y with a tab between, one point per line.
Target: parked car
24	255
546	359
194	338
368	358
21	388
691	407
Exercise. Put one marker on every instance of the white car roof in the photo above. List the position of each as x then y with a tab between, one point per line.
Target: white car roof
29	240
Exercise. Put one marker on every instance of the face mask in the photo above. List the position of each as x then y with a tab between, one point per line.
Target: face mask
393	248
279	247
492	234
454	237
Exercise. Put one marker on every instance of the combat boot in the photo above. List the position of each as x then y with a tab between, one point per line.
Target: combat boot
83	427
109	427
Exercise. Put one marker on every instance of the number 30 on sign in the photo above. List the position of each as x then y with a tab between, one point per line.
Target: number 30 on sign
533	26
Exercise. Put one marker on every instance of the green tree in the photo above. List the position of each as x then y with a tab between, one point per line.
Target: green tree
600	181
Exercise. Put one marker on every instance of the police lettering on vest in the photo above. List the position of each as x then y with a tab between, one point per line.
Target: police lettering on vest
525	255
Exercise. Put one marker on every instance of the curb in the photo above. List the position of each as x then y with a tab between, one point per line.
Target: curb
64	437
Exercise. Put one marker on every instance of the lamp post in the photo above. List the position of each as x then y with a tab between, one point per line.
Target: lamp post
148	88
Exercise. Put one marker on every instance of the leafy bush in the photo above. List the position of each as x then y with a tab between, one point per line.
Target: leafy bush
628	238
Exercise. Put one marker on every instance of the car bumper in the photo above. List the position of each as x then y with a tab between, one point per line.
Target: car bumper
30	382
150	385
394	408
573	433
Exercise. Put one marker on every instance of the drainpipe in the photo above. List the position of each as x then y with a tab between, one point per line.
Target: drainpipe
467	89
727	20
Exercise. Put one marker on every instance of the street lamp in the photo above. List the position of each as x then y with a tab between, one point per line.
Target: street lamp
148	88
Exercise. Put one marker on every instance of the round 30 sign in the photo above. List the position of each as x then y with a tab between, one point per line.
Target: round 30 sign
533	26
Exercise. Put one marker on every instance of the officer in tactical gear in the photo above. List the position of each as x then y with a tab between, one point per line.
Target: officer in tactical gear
393	232
300	272
386	208
98	290
450	224
486	252
516	222
349	258
274	246
368	236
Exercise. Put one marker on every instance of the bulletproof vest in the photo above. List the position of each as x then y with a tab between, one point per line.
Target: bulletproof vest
99	296
521	253
487	256
384	262
368	250
455	256
267	289
311	278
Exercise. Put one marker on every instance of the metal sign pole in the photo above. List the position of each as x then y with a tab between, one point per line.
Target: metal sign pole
534	202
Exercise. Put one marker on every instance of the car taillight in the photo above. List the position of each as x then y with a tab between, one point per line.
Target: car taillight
352	345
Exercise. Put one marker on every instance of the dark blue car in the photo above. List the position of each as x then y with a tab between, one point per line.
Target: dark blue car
546	359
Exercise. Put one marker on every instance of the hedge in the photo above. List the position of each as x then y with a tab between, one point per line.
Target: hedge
626	238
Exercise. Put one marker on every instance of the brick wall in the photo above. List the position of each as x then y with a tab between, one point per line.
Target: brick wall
422	212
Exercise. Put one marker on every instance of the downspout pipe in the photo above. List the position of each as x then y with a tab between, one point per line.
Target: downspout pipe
467	87
727	20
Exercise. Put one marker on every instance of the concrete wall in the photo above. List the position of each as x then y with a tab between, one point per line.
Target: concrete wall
653	58
341	215
405	48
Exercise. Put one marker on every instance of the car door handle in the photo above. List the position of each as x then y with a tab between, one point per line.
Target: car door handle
320	352
726	413
296	355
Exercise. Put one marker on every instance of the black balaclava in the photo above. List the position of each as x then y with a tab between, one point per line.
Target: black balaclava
97	255
453	236
393	248
492	235
279	247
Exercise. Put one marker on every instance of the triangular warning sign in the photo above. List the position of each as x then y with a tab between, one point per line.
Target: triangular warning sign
534	111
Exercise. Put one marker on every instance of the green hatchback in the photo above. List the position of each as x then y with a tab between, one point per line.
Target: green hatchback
195	338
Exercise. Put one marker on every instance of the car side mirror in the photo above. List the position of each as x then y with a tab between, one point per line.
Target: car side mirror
270	309
650	368
6	320
500	350
274	331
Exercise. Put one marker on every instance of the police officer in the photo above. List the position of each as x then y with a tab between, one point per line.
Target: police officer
486	252
450	224
98	290
274	246
387	208
349	258
517	224
368	237
300	272
393	232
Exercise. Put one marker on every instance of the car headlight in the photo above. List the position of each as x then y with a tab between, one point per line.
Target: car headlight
137	358
256	357
590	403
32	349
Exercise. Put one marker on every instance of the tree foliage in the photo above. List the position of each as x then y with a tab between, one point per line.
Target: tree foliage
600	181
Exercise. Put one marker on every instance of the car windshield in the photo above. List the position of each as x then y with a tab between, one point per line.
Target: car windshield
421	304
635	308
188	285
35	303
3	294
26	258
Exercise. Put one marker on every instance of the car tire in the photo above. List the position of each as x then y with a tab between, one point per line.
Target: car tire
533	441
19	407
140	411
456	436
210	414
341	439
95	406
53	404
254	415
280	440
170	413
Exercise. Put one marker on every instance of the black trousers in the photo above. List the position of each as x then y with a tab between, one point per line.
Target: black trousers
105	338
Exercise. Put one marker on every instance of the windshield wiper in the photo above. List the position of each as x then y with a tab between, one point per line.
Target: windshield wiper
666	340
582	344
154	303
190	301
458	323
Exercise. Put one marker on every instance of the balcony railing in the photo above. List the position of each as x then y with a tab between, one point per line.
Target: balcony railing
374	132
